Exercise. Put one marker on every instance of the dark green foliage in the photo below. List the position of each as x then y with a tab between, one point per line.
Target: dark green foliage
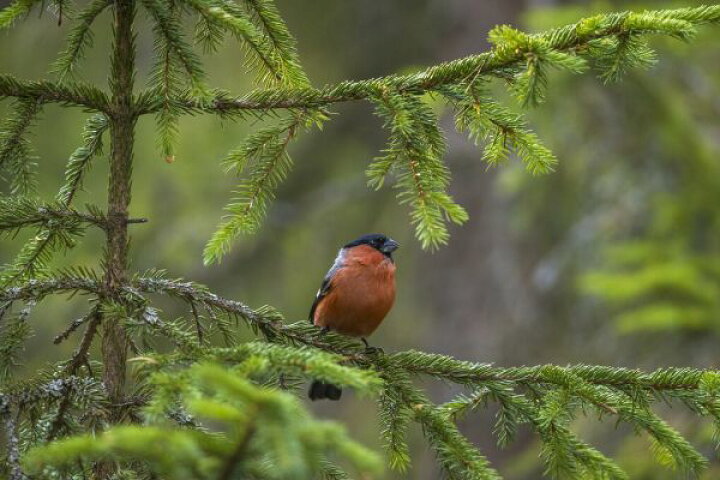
223	412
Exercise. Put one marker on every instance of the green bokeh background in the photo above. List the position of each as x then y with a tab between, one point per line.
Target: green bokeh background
548	269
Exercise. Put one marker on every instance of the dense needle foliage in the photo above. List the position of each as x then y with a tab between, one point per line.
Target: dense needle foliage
219	408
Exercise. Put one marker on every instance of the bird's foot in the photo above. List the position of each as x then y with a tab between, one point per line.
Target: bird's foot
372	350
323	331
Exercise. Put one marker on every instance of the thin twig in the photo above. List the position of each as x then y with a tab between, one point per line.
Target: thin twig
79	358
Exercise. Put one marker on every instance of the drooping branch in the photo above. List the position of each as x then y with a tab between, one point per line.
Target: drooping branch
80	38
80	160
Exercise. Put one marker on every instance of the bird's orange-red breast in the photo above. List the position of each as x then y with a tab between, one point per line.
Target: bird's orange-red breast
360	294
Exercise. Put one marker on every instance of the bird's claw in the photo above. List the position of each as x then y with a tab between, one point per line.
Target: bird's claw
371	350
374	351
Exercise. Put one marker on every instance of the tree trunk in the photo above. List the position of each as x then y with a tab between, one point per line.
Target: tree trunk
122	125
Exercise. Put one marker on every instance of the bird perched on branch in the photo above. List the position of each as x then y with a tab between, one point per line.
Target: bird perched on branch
356	294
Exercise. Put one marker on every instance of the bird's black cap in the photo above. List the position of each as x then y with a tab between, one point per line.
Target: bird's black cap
381	242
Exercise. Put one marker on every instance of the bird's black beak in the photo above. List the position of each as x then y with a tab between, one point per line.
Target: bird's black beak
390	246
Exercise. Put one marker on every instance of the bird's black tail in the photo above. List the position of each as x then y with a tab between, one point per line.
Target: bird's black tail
320	390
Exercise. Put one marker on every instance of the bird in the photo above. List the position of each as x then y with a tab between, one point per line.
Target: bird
355	296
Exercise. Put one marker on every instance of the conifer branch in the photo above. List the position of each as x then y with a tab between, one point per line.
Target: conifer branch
15	10
79	358
415	151
459	458
282	41
38	289
44	91
80	38
60	223
13	335
35	255
167	78
14	148
15	151
12	441
72	328
199	381
571	39
19	212
232	18
169	30
666	380
80	160
269	163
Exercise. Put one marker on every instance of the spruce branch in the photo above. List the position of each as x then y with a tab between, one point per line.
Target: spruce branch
230	17
13	335
38	289
60	224
79	358
35	256
14	148
415	152
626	394
15	10
167	77
502	131
282	40
49	390
459	458
44	91
578	38
15	151
80	160
208	34
546	397
168	29
72	328
265	155
19	212
12	441
265	427
80	39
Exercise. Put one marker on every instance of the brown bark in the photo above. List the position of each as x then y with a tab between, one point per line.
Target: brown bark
122	125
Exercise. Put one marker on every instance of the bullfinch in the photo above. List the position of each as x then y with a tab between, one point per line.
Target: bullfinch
355	295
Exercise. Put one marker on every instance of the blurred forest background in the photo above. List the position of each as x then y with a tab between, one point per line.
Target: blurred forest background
614	259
